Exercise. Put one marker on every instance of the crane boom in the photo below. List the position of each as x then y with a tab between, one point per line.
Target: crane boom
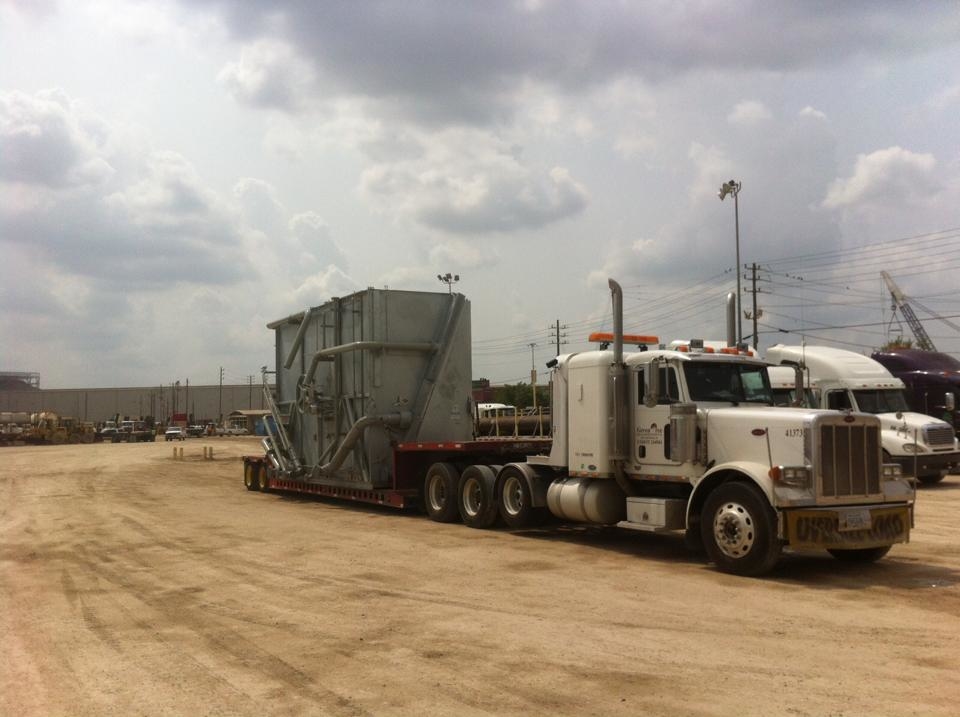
900	302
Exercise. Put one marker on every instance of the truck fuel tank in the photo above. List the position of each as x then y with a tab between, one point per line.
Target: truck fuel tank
587	500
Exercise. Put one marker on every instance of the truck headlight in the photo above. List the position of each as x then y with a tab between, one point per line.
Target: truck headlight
794	476
913	448
892	471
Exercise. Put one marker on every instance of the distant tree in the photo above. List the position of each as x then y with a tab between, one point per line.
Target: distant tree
897	343
520	395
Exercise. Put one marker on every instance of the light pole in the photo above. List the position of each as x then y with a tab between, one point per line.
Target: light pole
449	279
733	187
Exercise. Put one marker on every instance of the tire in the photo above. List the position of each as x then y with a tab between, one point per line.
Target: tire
860	555
514	502
739	530
440	493
930	479
250	478
263	474
476	496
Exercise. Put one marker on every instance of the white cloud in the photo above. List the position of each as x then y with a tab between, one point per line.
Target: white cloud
945	98
269	75
315	242
318	288
749	112
893	175
462	254
47	141
466	182
812	113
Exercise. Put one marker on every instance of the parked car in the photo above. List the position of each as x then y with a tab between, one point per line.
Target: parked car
195	431
232	431
175	433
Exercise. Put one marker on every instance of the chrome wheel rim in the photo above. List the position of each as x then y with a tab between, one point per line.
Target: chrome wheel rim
513	502
437	494
472	496
733	530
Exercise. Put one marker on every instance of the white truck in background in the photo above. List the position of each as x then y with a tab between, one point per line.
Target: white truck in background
923	446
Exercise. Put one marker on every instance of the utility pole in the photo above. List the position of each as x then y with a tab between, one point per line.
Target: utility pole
221	396
556	335
186	403
533	373
250	391
755	313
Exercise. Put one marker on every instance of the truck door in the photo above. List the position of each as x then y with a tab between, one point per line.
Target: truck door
651	424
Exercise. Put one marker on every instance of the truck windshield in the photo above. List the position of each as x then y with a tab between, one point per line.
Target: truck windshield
727	382
880	401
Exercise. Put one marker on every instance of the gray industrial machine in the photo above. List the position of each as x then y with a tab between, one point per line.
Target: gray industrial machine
363	372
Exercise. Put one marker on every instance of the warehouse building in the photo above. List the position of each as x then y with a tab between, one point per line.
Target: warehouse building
193	404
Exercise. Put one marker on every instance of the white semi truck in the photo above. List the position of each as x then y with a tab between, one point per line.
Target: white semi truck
372	397
921	445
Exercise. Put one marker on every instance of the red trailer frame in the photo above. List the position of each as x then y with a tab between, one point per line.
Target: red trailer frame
410	464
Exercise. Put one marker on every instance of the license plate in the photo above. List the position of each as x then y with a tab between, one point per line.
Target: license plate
855	519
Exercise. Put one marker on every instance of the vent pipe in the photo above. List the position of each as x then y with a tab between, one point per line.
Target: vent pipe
732	338
617	294
620	422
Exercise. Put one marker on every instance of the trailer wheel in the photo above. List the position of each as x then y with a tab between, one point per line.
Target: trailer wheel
440	492
931	479
515	502
739	530
263	474
477	496
250	478
860	555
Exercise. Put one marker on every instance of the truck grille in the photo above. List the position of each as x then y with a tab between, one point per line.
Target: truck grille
935	435
849	460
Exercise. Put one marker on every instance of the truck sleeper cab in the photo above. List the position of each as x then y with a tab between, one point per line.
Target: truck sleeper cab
923	446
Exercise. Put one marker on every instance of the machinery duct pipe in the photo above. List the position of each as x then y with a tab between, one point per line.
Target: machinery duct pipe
395	420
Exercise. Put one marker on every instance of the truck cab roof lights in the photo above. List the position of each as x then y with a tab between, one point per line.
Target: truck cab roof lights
606	337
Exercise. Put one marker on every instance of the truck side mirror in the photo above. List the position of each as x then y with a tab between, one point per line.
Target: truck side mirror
949	402
651	384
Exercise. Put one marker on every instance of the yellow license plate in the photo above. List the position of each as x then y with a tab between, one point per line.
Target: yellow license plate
848	527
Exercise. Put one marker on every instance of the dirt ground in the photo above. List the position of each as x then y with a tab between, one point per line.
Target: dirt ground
132	583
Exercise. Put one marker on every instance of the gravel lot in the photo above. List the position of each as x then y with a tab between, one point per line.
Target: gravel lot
133	583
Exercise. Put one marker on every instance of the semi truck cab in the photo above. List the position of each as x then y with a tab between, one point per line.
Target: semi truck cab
923	446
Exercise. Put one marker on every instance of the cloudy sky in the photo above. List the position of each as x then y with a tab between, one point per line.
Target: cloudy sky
174	175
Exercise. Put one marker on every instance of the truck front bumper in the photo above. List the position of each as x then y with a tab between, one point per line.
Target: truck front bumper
928	464
849	526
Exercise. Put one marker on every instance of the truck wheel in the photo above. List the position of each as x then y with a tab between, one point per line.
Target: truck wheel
930	479
477	496
250	478
515	502
739	530
440	492
860	555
